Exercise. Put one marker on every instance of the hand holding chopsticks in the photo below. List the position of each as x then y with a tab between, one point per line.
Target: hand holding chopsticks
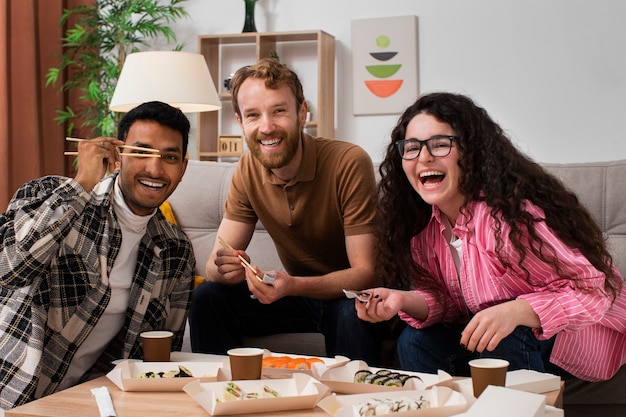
245	263
145	152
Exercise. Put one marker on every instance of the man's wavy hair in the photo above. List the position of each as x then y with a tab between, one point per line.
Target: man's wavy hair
494	171
275	76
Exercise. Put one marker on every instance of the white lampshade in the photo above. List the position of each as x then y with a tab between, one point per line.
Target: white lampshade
180	79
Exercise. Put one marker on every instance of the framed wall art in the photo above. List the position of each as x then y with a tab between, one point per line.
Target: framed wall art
384	64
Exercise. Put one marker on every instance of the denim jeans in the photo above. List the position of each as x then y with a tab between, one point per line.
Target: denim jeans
438	347
222	315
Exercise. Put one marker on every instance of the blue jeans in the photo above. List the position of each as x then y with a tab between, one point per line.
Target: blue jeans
222	315
438	347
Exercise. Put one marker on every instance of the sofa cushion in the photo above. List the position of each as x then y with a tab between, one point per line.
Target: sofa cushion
601	187
198	205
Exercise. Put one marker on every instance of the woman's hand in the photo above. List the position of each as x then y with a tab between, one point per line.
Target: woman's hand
383	304
488	327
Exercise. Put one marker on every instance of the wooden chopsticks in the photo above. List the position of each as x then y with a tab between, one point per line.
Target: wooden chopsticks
153	153
241	258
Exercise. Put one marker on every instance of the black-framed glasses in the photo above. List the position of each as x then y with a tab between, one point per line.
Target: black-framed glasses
438	145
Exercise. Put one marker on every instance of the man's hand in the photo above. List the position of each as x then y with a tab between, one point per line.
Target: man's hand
268	293
96	158
229	265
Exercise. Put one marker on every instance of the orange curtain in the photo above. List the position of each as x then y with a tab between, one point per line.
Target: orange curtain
31	142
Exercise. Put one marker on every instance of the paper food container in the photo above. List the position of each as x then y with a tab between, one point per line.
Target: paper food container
296	393
340	379
521	379
495	400
442	401
126	375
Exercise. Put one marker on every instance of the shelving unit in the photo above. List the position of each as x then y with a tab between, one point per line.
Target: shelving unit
311	54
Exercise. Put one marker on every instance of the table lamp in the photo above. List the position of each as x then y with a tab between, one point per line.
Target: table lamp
180	79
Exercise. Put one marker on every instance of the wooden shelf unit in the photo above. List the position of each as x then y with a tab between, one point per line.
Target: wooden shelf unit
252	46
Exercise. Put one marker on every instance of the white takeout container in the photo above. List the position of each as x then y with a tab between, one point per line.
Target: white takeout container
496	402
124	375
443	402
521	380
301	391
340	379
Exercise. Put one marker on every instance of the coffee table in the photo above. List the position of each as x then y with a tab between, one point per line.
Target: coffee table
78	401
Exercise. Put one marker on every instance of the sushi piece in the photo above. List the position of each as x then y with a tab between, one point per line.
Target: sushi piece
183	372
269	392
359	376
232	392
393	382
379	380
297	363
378	407
368	378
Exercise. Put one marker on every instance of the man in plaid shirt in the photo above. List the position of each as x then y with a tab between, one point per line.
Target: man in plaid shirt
87	264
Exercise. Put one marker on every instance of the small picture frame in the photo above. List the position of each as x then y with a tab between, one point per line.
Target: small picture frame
230	145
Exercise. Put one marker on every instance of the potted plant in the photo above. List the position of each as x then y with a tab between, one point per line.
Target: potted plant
96	46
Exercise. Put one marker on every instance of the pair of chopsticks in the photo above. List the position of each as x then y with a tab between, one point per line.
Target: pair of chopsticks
241	258
155	153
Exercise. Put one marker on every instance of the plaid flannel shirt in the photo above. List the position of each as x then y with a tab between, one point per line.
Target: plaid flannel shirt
54	283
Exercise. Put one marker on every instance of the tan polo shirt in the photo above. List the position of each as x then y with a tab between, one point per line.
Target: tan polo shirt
332	196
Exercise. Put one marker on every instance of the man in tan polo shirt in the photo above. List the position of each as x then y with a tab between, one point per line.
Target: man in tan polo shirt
316	198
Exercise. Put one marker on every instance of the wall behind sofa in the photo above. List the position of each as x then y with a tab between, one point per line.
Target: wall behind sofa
552	73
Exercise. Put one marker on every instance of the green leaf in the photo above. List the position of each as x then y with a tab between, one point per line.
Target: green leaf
95	47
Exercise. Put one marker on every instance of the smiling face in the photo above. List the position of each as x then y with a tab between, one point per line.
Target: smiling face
435	179
147	182
271	122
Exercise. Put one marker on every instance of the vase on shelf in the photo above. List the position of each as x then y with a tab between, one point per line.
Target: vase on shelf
248	23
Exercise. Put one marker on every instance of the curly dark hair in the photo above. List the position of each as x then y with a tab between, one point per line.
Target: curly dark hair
492	170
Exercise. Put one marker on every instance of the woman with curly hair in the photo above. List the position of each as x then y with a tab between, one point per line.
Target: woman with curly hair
488	255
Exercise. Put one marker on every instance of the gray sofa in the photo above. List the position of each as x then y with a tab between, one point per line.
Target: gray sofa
198	204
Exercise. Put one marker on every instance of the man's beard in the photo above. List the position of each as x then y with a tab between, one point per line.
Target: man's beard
273	160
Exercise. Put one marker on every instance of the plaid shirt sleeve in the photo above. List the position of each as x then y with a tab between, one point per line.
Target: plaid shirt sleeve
30	237
31	230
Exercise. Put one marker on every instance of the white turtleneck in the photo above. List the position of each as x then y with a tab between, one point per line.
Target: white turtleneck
133	228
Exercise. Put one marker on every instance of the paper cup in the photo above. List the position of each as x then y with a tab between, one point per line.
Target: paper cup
486	372
245	363
157	345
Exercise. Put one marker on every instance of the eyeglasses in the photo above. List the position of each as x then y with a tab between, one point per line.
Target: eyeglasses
438	145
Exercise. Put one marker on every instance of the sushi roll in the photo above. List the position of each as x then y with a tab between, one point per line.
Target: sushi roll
184	372
360	376
232	392
404	378
369	377
393	382
269	392
379	380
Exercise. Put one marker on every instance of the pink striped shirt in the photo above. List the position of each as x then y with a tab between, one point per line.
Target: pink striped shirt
591	341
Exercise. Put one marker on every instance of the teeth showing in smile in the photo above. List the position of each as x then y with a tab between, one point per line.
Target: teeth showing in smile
431	177
270	142
152	184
